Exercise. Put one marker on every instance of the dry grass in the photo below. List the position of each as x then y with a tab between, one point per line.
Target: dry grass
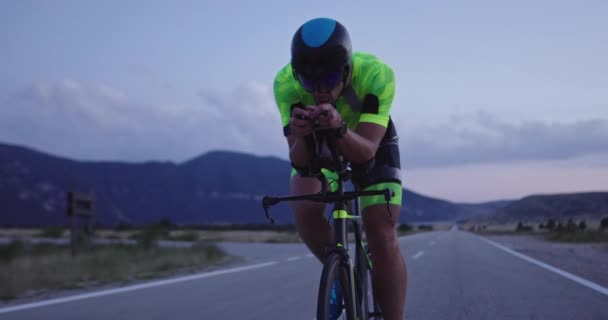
40	267
250	236
215	235
19	233
578	236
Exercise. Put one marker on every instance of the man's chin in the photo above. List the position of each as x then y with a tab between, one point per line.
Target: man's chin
324	100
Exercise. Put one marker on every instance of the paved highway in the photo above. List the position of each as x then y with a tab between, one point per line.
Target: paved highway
452	275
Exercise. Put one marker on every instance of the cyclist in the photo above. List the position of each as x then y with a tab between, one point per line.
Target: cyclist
351	92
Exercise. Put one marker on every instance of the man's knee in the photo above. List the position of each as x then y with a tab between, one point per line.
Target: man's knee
380	228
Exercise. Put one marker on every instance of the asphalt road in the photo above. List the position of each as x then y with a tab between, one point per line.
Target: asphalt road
451	275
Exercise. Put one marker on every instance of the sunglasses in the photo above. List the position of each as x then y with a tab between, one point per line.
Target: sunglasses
324	83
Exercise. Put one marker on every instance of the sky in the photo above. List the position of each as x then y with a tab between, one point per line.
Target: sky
494	99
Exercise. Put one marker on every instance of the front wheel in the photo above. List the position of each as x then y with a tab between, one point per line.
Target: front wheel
334	270
369	306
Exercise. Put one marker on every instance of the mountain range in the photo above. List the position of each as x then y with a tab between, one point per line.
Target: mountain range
218	187
554	206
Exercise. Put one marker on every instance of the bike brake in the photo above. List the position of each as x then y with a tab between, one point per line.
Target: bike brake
268	215
387	197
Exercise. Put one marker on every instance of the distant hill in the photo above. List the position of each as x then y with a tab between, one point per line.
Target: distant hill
482	210
558	206
216	187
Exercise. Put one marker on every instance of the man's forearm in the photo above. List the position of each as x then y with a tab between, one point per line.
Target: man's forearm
298	152
356	148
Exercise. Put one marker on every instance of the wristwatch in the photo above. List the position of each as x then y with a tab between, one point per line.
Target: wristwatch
341	131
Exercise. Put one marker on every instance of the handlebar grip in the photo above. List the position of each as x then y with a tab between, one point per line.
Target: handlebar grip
269	201
302	117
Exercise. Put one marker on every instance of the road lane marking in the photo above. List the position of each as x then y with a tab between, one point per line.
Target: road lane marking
310	255
418	255
294	259
134	287
545	266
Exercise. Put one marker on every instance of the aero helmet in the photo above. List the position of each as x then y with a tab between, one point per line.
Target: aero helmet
321	53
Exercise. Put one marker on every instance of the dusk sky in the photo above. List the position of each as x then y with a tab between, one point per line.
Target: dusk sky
494	99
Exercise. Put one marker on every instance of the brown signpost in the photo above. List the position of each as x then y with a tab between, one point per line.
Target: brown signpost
81	206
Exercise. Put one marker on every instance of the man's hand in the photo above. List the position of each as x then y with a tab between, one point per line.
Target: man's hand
327	115
300	124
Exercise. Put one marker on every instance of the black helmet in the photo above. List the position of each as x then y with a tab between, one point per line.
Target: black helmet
321	46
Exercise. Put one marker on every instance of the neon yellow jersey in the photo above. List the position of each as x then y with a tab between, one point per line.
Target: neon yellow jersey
373	81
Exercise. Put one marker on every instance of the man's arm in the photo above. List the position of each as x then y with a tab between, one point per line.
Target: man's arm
300	126
357	146
361	145
298	151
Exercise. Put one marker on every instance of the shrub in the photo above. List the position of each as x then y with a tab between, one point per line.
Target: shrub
582	225
522	227
551	224
425	227
405	227
167	224
11	250
187	236
52	232
571	226
123	226
604	223
149	236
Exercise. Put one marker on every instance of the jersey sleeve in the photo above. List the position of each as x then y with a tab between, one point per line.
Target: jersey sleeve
285	93
379	99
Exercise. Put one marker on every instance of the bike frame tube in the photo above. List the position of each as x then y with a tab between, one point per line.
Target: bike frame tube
341	237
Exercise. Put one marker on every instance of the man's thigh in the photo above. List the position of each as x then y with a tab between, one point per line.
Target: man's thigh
376	219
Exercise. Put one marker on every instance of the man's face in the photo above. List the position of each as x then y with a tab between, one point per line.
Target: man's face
330	96
325	88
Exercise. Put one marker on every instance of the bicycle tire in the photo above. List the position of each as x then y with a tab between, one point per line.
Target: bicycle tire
332	269
369	306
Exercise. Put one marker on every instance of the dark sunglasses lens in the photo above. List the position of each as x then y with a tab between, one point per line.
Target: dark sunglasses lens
307	84
331	80
327	82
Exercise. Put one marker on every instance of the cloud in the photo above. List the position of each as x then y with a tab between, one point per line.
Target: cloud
87	122
99	122
484	138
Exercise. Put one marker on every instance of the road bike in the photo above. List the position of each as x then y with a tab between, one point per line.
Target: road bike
354	275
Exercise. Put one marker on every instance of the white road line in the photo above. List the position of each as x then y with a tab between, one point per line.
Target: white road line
133	288
310	255
294	258
545	266
418	255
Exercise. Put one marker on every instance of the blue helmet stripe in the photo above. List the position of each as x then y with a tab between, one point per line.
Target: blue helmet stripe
317	31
